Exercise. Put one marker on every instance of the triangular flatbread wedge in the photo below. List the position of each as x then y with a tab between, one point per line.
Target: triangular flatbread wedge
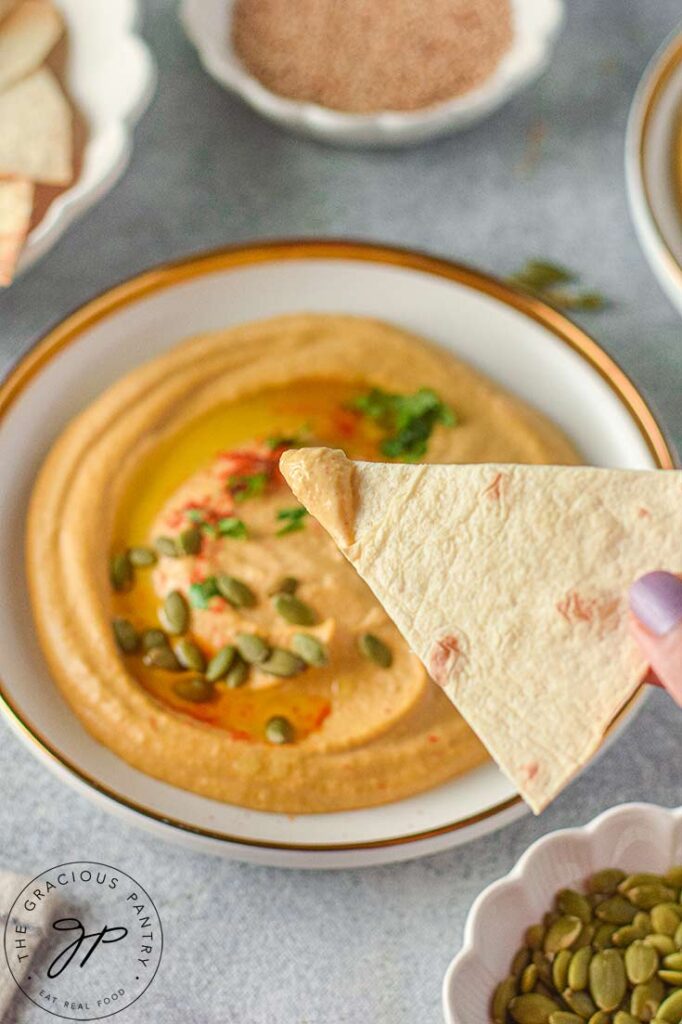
27	35
16	203
35	130
510	583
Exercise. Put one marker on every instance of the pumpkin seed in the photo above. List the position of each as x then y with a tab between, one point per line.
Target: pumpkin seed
677	938
252	648
126	636
220	663
623	1017
646	896
189	541
580	1003
197	689
174	614
504	993
166	546
293	610
153	638
599	1018
560	966
162	657
641	878
578	969
605	882
673	877
287	585
663	944
642	920
375	649
564	1017
279	730
532	1008
673	961
237	675
603	936
570	902
586	935
670	1009
616	910
628	934
309	648
671	978
646	998
121	571
544	967
142	557
235	591
528	978
666	917
641	963
282	663
535	936
520	962
608	983
190	655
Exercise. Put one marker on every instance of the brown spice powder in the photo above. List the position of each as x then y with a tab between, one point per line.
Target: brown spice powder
371	55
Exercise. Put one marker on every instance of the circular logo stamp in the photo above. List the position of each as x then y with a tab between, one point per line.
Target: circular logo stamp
83	940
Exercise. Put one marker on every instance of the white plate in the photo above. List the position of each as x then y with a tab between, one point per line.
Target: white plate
517	340
536	25
650	162
110	76
634	837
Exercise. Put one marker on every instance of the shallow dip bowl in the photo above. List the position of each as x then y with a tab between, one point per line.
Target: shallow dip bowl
518	341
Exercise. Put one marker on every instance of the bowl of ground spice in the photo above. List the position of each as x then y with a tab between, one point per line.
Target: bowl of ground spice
374	72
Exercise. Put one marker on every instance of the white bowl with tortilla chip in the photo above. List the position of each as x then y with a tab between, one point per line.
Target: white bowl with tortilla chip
108	76
517	340
633	837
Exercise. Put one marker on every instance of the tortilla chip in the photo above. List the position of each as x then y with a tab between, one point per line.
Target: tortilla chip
5	7
16	203
510	583
27	35
35	130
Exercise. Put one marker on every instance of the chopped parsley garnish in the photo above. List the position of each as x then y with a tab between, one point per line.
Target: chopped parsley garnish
556	284
195	515
292	519
282	441
201	593
231	526
249	486
409	420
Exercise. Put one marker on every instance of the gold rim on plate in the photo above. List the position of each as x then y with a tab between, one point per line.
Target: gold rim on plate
656	82
231	258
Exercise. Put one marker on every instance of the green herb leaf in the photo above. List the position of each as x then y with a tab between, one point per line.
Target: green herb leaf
250	486
292	518
201	593
195	515
231	526
282	441
409	419
536	275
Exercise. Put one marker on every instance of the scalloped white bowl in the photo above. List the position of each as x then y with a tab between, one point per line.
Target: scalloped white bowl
635	837
536	25
110	75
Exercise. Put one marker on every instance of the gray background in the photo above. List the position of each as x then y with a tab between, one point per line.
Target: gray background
247	944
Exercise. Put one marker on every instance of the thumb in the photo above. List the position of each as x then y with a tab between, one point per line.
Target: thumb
656	604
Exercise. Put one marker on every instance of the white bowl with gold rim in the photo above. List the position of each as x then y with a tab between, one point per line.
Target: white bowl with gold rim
536	26
634	837
653	163
526	346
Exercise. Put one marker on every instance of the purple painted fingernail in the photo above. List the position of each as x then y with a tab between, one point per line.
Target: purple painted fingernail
656	600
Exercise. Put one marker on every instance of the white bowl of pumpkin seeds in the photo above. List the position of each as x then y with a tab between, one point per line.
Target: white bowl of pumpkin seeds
586	929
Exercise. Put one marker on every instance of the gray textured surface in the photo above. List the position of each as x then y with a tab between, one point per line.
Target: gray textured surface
246	944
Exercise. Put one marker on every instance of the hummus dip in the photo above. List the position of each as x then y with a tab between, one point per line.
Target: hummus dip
249	662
